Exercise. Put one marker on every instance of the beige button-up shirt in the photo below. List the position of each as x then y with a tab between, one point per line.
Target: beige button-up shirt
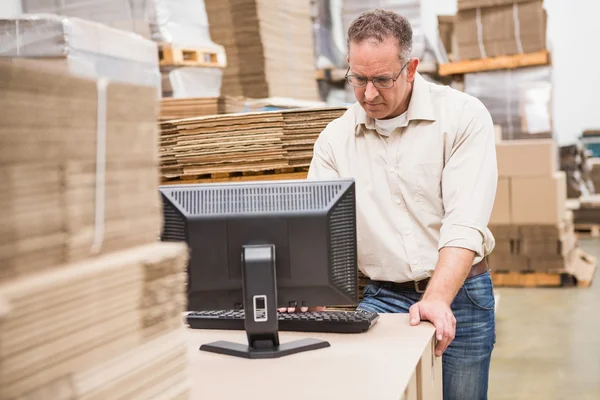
429	184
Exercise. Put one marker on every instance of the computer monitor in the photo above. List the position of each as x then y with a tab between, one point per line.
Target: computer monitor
264	245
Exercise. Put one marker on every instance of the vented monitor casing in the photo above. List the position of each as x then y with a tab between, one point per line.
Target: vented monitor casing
312	225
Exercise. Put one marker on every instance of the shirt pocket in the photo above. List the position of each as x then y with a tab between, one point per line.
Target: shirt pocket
428	187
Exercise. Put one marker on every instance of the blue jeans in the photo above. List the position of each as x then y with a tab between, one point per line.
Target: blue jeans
466	362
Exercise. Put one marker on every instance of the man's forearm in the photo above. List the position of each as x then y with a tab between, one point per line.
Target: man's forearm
450	273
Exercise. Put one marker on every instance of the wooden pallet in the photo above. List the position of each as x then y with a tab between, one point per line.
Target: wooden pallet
274	174
495	63
531	279
170	55
528	279
588	230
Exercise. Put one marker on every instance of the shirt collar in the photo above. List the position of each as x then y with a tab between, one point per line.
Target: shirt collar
419	108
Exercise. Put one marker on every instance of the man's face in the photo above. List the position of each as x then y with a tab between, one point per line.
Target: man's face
370	59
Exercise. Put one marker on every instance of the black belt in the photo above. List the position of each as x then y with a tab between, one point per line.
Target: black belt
420	286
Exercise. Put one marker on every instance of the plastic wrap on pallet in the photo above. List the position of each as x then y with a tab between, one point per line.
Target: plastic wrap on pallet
83	48
181	22
330	47
192	82
410	9
520	100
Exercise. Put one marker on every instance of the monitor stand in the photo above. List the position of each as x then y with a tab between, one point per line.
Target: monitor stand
260	308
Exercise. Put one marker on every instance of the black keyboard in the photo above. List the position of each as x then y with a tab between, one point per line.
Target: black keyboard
320	321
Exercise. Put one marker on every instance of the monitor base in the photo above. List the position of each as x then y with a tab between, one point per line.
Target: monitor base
283	349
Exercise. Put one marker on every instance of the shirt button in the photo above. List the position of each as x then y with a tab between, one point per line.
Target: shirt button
392	170
407	232
415	262
398	201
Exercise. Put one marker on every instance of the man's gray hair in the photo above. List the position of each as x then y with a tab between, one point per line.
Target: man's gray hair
380	24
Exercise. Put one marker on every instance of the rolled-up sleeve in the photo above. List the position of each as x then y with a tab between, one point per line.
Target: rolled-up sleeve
469	181
322	165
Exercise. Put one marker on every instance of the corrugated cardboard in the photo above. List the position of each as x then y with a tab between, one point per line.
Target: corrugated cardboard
500	27
469	4
505	232
527	158
501	212
542	246
502	262
446	31
539	200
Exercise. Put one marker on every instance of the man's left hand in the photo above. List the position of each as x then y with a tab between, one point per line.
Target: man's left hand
439	313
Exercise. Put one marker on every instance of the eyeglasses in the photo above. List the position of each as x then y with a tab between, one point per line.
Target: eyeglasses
380	82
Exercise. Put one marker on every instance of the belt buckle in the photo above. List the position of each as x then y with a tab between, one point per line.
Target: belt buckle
417	287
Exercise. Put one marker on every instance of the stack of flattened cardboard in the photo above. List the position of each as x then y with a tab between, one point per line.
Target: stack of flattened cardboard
301	130
90	302
532	227
222	143
594	165
99	328
588	212
173	108
246	142
490	28
269	47
578	167
48	147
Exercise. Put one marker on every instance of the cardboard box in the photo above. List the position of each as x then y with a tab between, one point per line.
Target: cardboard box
470	4
503	246
539	200
504	232
514	262
446	31
555	263
500	26
533	247
527	158
501	212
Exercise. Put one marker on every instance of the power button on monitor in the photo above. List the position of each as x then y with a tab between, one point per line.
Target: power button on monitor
260	308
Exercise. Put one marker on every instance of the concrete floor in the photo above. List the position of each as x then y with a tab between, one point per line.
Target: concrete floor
548	342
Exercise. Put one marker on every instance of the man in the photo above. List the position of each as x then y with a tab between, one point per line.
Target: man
424	162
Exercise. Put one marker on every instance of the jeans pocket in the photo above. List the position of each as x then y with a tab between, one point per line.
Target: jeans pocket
371	290
480	291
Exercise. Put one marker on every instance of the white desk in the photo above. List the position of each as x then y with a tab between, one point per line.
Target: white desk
391	361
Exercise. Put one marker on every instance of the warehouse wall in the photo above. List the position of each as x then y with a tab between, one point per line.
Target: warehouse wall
573	30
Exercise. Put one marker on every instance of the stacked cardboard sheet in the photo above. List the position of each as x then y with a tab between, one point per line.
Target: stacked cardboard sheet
532	227
579	168
301	130
490	28
90	303
199	106
594	165
248	142
102	328
269	47
51	179
588	211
